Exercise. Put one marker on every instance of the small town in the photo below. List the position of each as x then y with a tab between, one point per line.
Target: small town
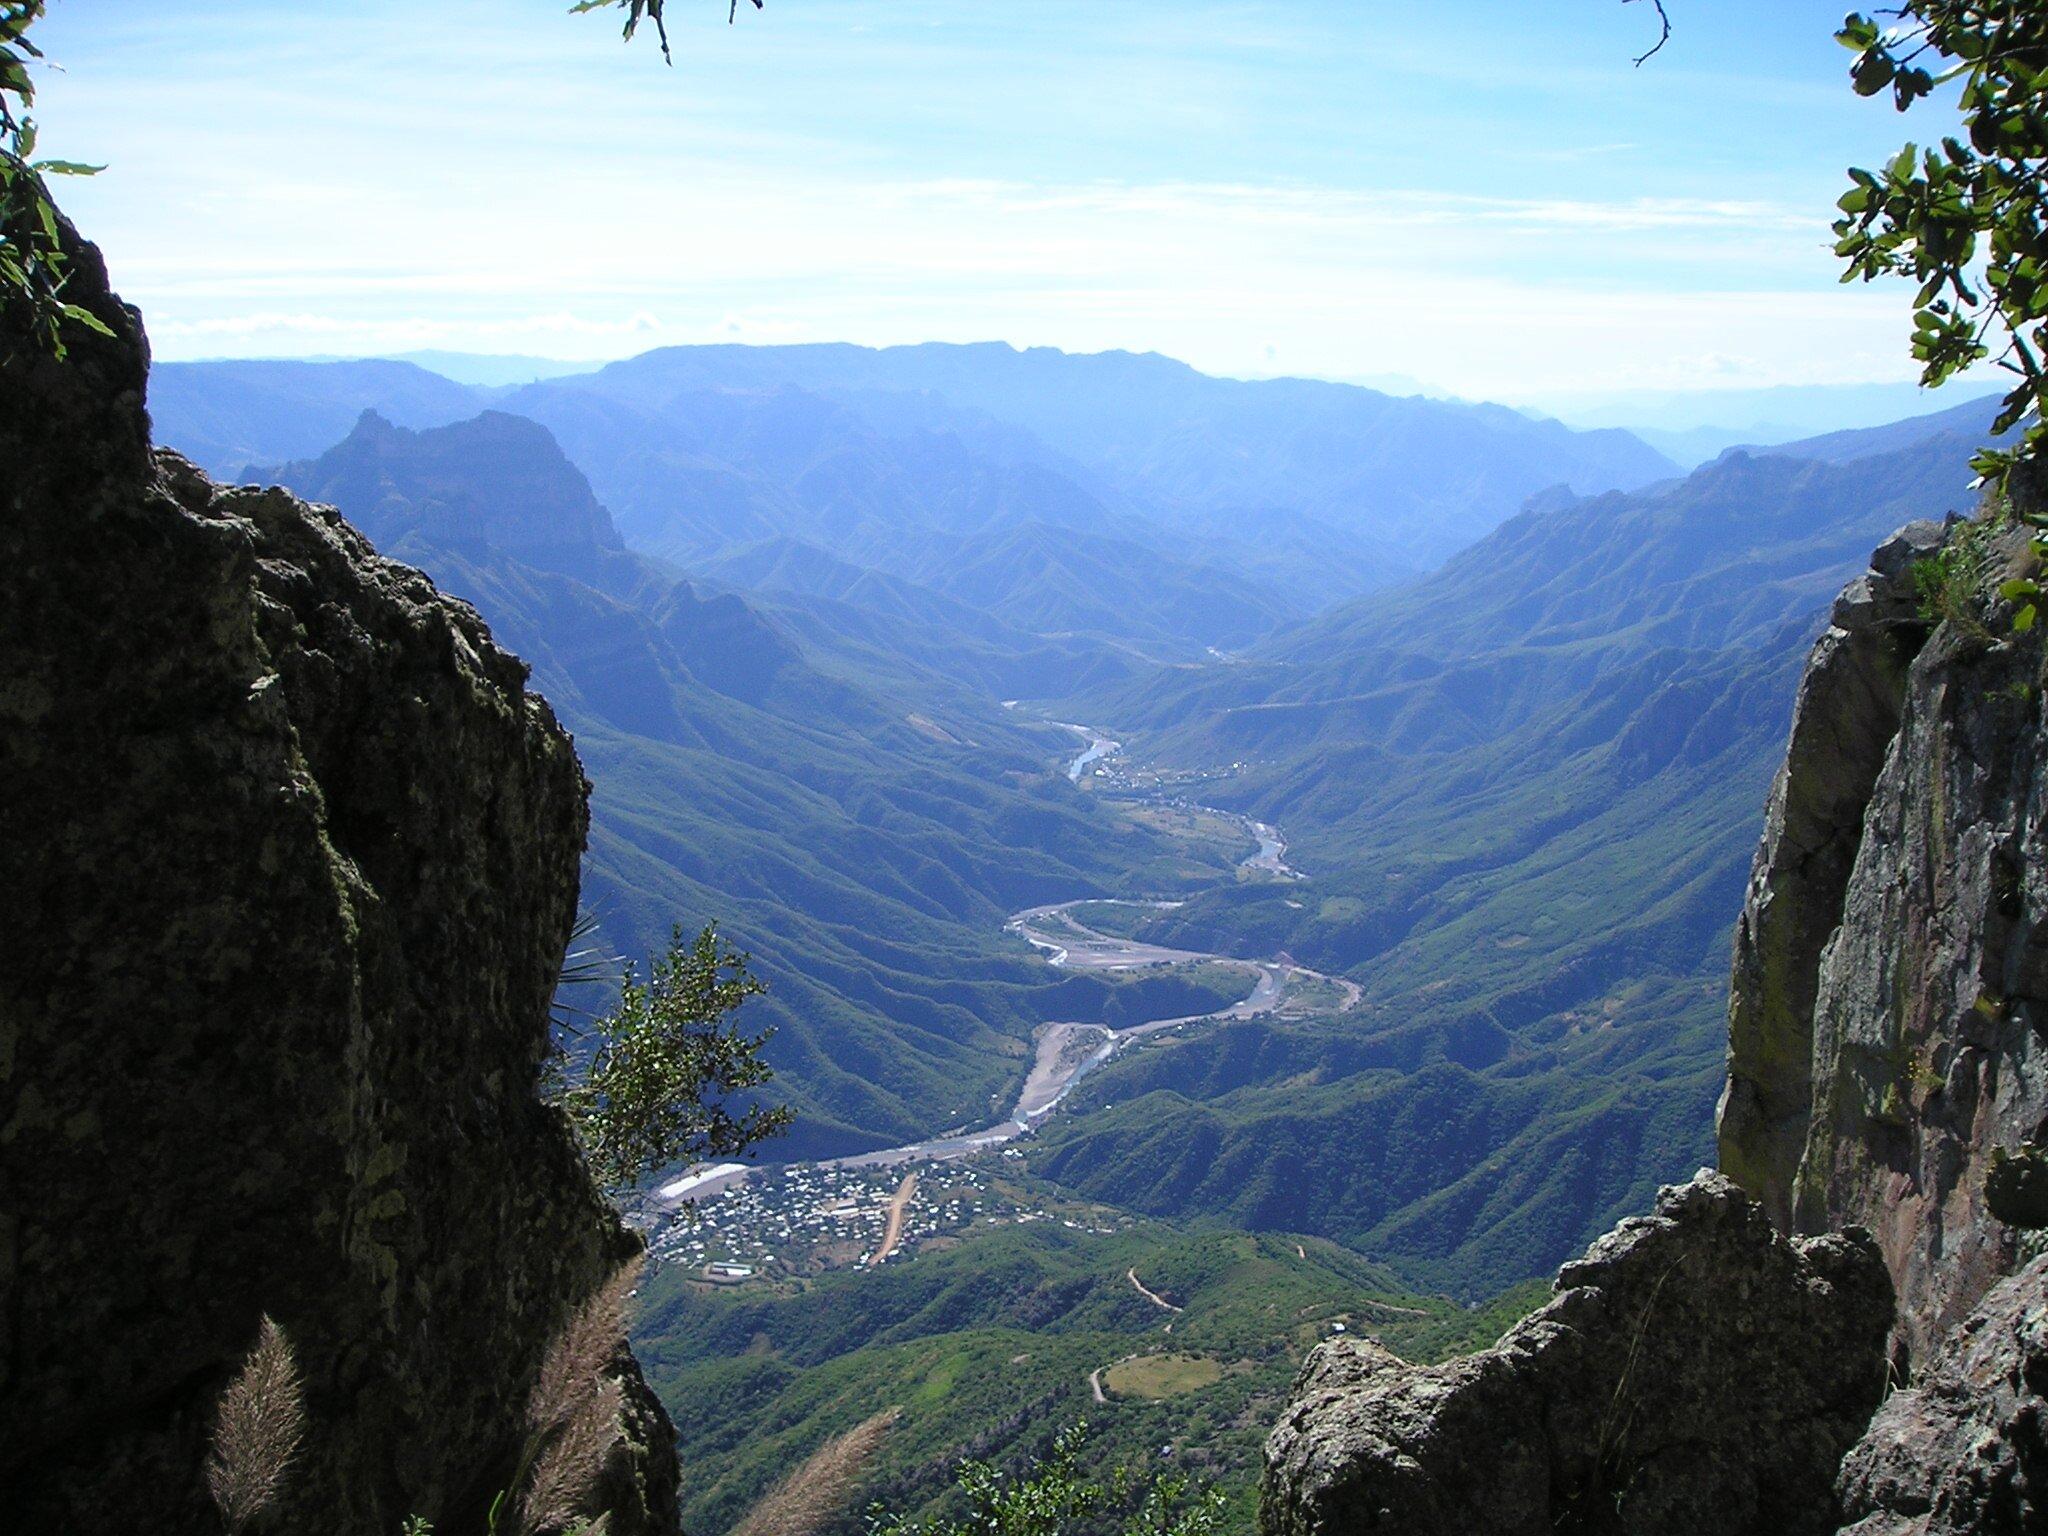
805	1219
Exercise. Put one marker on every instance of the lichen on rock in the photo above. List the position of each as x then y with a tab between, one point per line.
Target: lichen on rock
1696	1371
1965	1451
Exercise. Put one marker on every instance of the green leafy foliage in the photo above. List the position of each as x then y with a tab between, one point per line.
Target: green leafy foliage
667	1067
33	266
1055	1495
1963	219
1946	583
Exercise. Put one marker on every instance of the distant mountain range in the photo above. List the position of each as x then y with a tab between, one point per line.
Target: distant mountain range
1693	426
1514	693
1016	480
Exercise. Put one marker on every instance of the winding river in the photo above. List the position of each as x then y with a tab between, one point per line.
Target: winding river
1068	1052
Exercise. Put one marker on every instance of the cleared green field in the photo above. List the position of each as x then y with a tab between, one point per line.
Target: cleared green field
1161	1376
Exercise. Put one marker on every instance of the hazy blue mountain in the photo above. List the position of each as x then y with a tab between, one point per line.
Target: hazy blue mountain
494	481
1026	477
1971	421
225	416
959	505
878	623
1695	425
1424	476
493	370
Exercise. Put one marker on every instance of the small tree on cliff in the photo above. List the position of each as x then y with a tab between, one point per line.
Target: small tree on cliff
1965	218
662	1070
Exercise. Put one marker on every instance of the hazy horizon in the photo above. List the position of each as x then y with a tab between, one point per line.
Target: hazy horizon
1777	413
1254	190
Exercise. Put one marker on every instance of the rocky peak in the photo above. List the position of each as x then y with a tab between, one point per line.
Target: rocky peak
400	487
1891	970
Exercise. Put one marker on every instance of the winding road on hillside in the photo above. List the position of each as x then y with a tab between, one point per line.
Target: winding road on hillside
1148	1293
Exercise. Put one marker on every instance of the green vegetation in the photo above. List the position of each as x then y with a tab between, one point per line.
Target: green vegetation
866	864
660	1073
1054	1496
1949	583
1118	919
986	1342
1462	1179
1964	220
1528	792
1173	992
33	263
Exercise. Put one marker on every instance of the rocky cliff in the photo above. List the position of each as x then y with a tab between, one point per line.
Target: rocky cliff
291	855
1891	970
1964	1452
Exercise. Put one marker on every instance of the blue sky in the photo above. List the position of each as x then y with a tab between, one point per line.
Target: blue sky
1484	195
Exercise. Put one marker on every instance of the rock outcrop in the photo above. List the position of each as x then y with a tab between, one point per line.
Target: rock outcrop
1891	978
1965	1452
398	486
1842	726
290	855
1697	1371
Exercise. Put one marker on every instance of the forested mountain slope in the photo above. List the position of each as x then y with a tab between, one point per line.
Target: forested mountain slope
1526	792
1524	787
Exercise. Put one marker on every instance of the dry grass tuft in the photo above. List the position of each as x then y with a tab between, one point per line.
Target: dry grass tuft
807	1500
257	1429
573	1414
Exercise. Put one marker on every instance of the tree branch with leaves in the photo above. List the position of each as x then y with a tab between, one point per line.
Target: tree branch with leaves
34	268
638	11
667	1073
1965	218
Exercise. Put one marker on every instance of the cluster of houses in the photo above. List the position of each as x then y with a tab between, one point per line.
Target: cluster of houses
804	1218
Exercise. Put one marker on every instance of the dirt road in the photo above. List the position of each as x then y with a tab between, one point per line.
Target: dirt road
1148	1293
898	1204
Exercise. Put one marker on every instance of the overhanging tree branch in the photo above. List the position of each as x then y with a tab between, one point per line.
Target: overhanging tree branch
1663	32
